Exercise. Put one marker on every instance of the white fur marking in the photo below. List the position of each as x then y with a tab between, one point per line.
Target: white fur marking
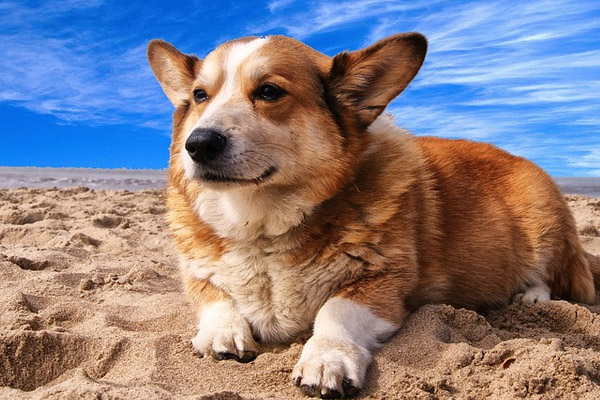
244	214
343	318
236	56
189	166
345	334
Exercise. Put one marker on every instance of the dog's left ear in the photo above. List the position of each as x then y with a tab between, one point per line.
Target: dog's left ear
367	80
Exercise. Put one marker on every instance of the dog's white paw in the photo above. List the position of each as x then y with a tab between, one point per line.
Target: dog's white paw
331	368
224	334
534	294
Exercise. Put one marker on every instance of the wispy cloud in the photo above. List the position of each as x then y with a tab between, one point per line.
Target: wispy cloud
322	17
278	5
75	77
440	121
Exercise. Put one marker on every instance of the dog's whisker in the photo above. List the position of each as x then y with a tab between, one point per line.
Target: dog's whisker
276	146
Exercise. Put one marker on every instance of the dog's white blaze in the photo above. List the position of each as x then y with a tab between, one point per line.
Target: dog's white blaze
237	55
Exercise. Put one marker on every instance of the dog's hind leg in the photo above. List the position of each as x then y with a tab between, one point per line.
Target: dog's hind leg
533	294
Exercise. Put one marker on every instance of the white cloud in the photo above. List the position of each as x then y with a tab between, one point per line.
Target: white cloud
54	77
443	122
590	158
592	121
278	5
71	79
544	93
329	16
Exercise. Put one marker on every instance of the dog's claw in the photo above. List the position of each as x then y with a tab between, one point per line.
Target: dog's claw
246	357
309	390
226	356
331	394
349	388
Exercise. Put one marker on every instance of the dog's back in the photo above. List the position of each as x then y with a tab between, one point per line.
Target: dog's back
506	228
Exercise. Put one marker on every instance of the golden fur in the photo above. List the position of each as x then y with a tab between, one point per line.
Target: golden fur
359	209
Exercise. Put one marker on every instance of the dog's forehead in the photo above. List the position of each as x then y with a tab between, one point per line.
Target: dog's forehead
259	55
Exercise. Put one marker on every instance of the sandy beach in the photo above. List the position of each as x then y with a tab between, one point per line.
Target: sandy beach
91	307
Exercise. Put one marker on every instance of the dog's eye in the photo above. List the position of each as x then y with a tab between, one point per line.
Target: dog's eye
200	95
269	92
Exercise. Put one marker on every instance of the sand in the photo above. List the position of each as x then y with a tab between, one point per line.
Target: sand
91	307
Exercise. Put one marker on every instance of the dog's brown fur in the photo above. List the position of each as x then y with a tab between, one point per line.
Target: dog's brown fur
396	221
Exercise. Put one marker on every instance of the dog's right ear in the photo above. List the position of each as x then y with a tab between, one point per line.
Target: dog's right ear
174	70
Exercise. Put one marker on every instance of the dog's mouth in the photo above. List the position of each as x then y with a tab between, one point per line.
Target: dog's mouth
218	177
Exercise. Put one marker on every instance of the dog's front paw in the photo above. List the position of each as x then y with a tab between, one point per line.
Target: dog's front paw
224	334
331	368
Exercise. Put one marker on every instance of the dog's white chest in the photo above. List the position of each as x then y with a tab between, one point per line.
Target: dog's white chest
279	301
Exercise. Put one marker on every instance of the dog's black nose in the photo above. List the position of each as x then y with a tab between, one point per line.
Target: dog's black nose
205	145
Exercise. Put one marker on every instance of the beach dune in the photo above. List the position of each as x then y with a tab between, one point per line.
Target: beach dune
91	307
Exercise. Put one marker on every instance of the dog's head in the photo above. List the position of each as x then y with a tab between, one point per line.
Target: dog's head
268	112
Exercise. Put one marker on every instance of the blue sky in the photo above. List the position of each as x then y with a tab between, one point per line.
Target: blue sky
76	89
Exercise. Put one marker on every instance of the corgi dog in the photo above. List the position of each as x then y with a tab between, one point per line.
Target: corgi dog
296	203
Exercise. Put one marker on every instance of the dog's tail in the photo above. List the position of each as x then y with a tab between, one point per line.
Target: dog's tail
575	281
594	262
